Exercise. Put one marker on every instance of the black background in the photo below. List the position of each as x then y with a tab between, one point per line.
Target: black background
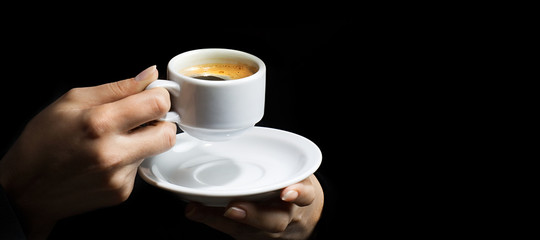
315	88
386	93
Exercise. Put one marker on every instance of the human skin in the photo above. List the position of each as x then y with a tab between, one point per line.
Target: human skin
294	216
71	157
81	153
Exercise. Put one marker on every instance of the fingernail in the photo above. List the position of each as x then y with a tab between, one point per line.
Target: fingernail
290	196
235	213
146	73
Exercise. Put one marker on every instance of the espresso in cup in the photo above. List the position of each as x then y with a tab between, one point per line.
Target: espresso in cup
219	71
221	108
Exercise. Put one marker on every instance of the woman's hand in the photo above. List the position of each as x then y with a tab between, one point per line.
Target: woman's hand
82	152
294	216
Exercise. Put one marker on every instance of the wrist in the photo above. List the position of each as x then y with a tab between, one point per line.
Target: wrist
25	221
34	225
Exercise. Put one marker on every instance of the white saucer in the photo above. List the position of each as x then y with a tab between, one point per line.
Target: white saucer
254	166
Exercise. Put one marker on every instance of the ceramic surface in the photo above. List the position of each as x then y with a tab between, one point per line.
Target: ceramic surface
215	110
254	166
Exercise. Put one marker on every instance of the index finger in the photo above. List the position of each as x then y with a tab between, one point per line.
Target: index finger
115	91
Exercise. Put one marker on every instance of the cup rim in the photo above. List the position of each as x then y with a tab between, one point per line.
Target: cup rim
260	64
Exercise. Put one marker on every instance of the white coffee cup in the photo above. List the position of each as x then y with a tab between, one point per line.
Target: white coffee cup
214	110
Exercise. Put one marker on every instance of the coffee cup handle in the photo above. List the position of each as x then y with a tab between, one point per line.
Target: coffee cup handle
174	89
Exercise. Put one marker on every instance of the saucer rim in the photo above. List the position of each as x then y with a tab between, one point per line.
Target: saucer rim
300	140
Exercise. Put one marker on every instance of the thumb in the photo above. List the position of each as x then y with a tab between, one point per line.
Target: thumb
302	193
114	91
